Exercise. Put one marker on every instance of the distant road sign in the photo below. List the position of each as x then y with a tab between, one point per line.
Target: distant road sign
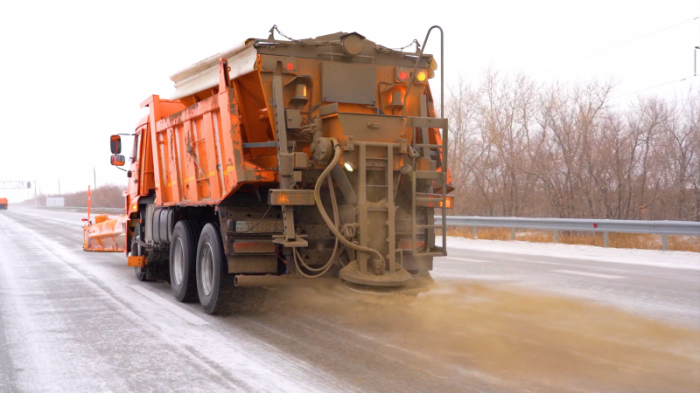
15	184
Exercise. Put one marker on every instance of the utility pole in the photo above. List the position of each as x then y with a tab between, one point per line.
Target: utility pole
94	178
59	186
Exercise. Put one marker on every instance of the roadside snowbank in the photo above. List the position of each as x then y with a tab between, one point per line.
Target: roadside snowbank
666	259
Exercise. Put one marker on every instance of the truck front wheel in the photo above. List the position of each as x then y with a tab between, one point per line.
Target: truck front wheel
137	251
183	249
212	268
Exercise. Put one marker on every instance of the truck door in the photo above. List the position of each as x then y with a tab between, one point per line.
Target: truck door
146	182
134	174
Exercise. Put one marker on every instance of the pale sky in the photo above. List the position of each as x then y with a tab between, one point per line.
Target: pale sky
75	72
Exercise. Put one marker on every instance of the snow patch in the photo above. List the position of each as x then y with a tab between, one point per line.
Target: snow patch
665	259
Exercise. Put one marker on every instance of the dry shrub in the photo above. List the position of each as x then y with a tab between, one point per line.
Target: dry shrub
459	232
615	240
684	243
587	239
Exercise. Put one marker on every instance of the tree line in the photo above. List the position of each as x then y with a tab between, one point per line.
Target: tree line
109	195
519	147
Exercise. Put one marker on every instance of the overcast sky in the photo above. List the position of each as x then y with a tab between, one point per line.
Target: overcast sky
75	72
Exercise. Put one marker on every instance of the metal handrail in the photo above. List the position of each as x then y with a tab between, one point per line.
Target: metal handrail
442	71
663	228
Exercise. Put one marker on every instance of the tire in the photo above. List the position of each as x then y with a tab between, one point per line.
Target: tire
140	274
212	270
137	250
183	250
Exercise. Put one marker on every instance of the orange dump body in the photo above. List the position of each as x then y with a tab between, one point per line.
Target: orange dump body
204	146
3	203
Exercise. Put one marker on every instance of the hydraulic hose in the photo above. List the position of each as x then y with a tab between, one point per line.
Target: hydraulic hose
320	271
322	210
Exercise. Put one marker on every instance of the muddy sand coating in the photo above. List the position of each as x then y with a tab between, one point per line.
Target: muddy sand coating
515	338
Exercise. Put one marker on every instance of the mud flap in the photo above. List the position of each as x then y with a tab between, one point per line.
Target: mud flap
139	261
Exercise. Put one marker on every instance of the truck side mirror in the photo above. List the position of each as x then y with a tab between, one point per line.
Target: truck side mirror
117	160
115	143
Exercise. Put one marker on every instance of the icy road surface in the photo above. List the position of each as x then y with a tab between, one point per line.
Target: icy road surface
501	317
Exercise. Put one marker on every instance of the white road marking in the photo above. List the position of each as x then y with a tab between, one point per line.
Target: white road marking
606	269
184	314
540	262
466	276
467	259
608	276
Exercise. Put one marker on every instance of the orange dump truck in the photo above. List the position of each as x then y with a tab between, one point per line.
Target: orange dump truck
280	161
3	203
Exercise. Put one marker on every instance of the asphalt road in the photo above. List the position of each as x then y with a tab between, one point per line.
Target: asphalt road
493	322
668	294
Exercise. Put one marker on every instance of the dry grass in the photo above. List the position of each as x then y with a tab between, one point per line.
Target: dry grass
615	240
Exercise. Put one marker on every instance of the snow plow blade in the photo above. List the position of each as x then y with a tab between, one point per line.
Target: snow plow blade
105	235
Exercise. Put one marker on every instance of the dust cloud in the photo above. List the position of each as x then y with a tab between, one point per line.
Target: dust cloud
526	340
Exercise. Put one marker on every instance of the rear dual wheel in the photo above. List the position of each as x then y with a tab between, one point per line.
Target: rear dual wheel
198	265
212	270
183	251
199	268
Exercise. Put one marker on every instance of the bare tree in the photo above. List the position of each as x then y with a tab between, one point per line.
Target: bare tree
524	148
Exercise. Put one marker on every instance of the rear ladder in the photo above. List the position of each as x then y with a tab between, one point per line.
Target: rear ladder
437	178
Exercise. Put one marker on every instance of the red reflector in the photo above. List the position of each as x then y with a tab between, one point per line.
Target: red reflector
403	75
435	202
408	245
290	66
595	225
253	247
291	197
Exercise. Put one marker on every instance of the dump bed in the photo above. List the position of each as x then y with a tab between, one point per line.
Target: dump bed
211	140
3	203
195	162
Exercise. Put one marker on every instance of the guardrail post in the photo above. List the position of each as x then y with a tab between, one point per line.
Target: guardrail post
512	233
605	239
556	236
664	242
476	236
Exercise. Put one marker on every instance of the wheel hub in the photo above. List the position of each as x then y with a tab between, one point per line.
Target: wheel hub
179	262
207	269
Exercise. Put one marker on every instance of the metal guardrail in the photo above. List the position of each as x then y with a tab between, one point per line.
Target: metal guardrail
97	210
663	228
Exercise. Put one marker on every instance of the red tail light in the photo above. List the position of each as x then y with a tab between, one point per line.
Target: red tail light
402	76
289	64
